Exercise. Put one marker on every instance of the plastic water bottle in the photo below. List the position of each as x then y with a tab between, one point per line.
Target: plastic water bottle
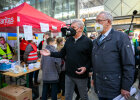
25	70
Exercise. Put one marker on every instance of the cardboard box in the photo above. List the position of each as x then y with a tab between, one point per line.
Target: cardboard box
14	92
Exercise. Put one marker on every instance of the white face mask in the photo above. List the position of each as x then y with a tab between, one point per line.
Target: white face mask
34	40
44	39
63	43
98	27
55	45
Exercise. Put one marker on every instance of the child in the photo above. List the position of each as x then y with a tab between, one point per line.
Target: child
60	44
50	71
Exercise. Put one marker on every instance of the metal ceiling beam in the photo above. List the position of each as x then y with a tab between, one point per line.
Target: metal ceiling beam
92	3
115	8
132	8
110	10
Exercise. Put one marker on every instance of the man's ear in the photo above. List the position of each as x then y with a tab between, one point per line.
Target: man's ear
82	28
109	22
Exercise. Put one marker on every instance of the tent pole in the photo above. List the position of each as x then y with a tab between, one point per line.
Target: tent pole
18	47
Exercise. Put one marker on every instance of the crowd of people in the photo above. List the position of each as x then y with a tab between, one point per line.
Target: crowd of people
109	62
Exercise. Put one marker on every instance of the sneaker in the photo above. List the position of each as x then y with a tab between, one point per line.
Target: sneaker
62	97
59	95
37	83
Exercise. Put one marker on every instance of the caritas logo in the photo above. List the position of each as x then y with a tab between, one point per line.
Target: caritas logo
7	21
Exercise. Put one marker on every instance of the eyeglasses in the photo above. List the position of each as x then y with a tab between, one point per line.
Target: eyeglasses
98	21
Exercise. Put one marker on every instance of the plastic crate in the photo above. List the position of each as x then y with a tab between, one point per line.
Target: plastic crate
4	66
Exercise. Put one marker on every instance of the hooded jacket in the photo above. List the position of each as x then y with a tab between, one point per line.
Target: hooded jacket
50	66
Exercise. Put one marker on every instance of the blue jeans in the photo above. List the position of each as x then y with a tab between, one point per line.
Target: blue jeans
81	84
45	90
101	98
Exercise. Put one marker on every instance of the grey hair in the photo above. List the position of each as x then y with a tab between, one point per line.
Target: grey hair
107	14
79	22
48	33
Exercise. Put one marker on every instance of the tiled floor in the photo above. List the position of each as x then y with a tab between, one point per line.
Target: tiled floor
92	95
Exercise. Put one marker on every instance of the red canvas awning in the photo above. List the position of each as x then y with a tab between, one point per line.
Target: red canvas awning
26	15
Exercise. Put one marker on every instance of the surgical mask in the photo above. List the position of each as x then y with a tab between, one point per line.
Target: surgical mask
2	42
55	45
44	39
63	43
130	37
98	27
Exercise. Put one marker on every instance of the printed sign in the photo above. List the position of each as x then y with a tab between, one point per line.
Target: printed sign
28	32
44	27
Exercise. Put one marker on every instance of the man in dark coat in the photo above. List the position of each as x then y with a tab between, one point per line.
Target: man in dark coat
113	60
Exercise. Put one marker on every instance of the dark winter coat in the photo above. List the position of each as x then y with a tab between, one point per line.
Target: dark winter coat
113	64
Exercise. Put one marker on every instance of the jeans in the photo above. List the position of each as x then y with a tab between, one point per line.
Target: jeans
45	90
101	98
81	84
77	93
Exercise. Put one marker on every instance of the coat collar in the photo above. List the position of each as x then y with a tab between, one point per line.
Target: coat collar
50	47
109	37
79	38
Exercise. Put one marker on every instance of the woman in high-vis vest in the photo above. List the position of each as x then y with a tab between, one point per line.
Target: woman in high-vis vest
5	49
30	56
6	52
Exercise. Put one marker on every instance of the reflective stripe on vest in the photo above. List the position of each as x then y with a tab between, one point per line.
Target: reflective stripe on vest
33	54
8	54
32	57
42	43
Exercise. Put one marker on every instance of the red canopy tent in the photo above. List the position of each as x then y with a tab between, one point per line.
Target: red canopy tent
13	20
25	14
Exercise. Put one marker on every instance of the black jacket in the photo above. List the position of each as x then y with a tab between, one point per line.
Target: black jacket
77	53
40	45
113	64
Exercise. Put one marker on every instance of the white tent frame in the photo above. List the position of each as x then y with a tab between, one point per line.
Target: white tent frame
18	46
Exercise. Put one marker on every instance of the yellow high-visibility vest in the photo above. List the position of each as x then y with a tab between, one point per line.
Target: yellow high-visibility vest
8	54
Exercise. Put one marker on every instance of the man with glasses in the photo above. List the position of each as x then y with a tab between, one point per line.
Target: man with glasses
112	59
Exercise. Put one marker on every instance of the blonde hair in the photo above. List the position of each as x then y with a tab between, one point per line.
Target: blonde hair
58	41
